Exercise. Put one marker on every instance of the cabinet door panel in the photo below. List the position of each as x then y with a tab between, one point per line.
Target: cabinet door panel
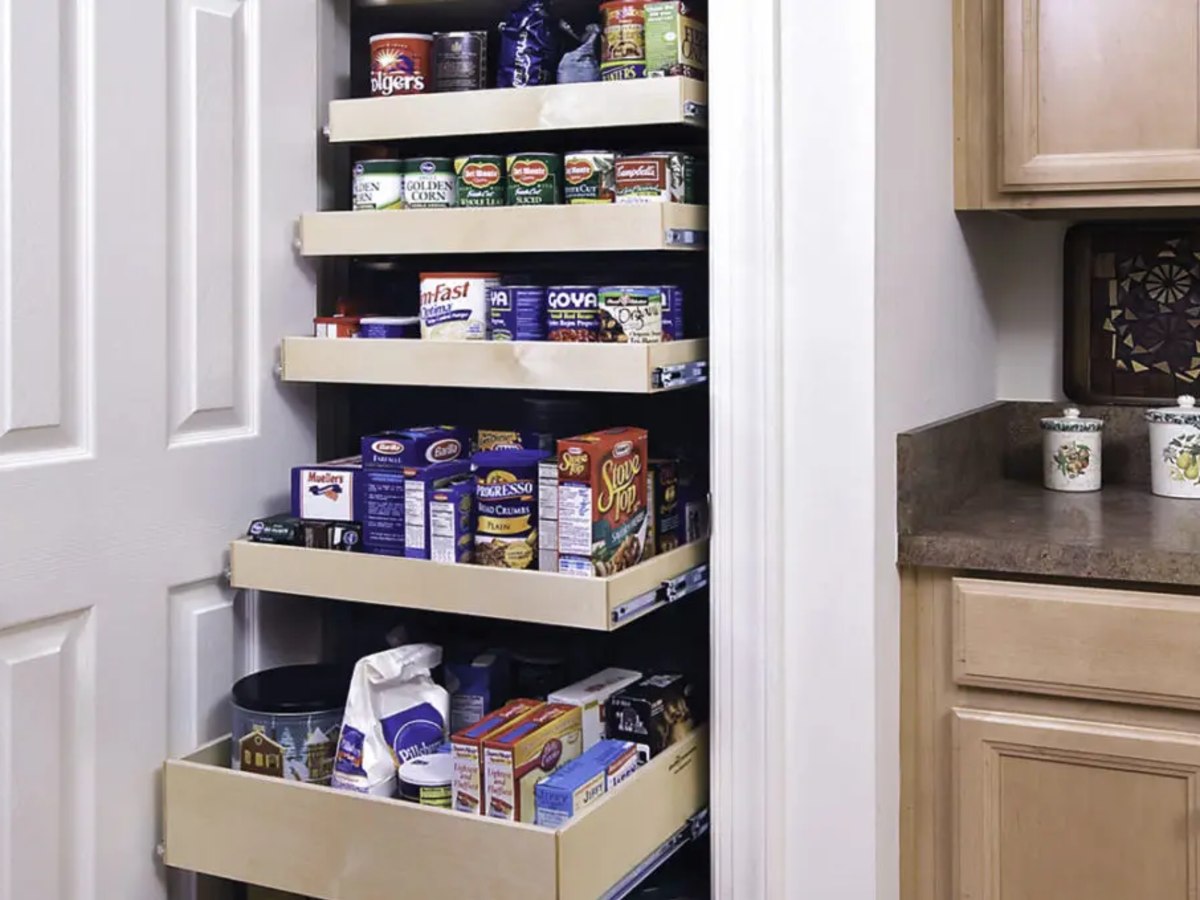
1100	93
1074	810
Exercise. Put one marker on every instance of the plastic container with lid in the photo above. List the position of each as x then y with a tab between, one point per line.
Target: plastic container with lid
426	780
1175	450
1071	448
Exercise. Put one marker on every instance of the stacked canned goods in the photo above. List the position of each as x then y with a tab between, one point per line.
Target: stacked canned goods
406	63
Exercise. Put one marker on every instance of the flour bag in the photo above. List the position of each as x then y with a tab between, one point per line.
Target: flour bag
394	712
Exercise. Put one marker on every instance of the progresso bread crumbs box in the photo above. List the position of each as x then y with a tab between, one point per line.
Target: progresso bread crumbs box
466	747
602	497
516	759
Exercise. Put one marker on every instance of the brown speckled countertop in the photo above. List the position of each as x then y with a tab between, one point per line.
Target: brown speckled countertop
971	498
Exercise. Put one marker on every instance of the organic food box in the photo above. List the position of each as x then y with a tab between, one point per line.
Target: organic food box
602	504
654	713
525	753
676	42
467	788
579	783
591	695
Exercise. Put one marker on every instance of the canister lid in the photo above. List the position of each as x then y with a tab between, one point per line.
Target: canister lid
294	689
1185	413
428	771
1072	421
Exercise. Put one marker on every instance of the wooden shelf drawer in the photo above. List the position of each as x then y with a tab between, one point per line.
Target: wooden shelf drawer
1130	646
339	846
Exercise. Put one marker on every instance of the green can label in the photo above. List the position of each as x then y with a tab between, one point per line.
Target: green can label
378	184
590	177
480	180
534	179
429	183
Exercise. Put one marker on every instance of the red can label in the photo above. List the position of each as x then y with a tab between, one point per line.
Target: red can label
400	64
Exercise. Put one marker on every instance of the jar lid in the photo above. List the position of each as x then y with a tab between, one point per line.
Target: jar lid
1185	413
294	689
1072	421
428	771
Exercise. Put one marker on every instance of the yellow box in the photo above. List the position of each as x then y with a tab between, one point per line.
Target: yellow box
530	751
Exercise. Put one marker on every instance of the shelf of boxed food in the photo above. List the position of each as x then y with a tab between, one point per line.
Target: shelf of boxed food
540	365
338	845
511	229
597	604
601	104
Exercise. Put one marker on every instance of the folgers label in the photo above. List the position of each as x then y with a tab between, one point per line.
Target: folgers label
506	495
480	180
623	40
656	178
535	179
573	314
590	177
400	64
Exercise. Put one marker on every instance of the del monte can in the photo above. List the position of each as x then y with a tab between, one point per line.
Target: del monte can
480	180
589	176
534	179
429	183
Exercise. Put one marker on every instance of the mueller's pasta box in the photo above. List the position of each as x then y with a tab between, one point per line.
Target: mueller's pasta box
602	504
524	754
582	782
327	492
466	748
591	695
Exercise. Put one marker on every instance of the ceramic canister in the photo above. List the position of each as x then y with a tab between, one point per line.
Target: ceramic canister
1071	452
1175	450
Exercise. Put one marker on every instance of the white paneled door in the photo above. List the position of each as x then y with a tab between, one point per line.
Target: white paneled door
153	156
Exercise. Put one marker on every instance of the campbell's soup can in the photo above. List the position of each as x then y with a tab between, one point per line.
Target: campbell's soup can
460	61
480	180
535	179
590	177
400	64
623	40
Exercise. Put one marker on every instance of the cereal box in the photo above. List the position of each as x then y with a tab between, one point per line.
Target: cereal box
602	514
466	747
591	695
515	760
580	783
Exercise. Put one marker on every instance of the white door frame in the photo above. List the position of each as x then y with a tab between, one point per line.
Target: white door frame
797	763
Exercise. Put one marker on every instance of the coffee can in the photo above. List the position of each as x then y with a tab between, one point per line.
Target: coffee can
459	61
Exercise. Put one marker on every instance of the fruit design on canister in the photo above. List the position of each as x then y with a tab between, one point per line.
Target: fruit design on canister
1183	456
1073	459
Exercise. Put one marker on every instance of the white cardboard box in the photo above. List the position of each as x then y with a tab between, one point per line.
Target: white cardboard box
590	695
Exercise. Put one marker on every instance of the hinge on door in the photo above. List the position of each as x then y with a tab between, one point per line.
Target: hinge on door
669	378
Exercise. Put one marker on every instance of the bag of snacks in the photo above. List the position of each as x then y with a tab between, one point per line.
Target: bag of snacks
527	53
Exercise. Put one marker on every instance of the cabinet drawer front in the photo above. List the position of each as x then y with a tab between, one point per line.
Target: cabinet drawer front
1078	642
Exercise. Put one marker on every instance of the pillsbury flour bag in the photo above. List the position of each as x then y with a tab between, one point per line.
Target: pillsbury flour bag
394	712
527	53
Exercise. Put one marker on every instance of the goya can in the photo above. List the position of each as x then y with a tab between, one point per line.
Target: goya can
400	64
535	179
631	315
517	313
460	61
429	183
378	184
623	41
506	495
479	180
589	176
667	177
573	314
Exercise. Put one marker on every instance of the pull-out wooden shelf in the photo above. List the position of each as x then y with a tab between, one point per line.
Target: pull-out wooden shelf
542	365
598	604
557	107
339	846
506	229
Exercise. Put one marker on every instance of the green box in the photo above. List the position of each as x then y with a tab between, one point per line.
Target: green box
676	43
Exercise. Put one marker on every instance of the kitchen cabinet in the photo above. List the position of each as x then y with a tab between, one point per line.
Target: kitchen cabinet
1063	104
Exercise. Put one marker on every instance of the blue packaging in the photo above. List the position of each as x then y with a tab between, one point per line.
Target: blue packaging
573	313
528	56
583	781
419	485
327	492
517	313
413	447
389	327
451	516
381	511
672	312
476	688
506	494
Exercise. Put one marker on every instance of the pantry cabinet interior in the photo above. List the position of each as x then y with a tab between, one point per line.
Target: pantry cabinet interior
1063	105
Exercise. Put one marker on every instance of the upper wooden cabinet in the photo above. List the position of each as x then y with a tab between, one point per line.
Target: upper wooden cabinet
1077	103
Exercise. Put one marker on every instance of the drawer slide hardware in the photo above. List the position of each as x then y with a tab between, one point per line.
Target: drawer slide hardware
666	593
695	827
669	378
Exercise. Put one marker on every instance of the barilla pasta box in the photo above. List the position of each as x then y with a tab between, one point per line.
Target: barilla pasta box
381	511
451	516
516	759
602	497
580	783
414	447
591	695
327	492
419	485
466	748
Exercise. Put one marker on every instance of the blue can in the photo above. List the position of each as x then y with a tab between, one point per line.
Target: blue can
672	325
517	313
573	313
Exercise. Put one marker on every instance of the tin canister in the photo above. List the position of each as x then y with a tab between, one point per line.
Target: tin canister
573	314
664	177
429	183
460	61
623	43
535	179
517	313
400	64
589	176
479	180
378	184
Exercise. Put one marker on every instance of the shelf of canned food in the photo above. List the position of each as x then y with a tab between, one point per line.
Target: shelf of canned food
596	604
333	845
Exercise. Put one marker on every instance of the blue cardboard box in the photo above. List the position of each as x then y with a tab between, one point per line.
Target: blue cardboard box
414	447
583	781
380	505
419	486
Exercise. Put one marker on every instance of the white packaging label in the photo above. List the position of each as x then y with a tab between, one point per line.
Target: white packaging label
548	490
414	514
378	190
455	307
442	544
466	787
327	495
575	520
